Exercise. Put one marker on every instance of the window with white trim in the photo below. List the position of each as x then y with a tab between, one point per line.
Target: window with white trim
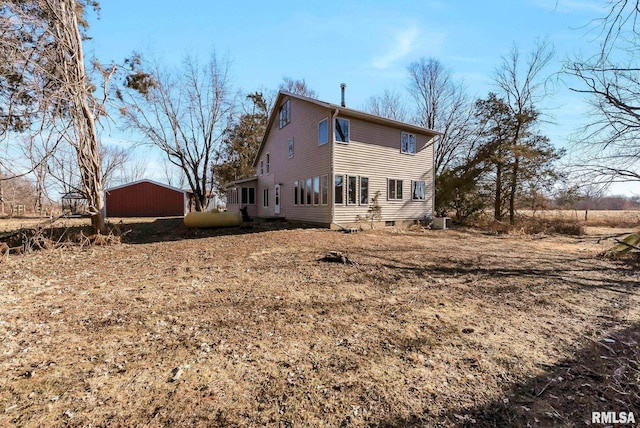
323	132
364	191
296	193
268	162
418	191
338	189
341	130
290	147
316	190
284	114
324	189
408	143
308	185
232	197
394	189
248	195
352	190
302	192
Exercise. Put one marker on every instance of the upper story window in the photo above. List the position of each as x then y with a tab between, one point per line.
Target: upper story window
261	167
290	148
408	143
323	132
285	113
268	163
341	130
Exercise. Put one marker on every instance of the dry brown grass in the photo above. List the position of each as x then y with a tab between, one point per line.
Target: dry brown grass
436	328
608	218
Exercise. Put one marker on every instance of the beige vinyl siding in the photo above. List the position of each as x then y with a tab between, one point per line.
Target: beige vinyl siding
309	160
374	152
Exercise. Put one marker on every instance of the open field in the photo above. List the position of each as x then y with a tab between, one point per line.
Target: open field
627	218
248	328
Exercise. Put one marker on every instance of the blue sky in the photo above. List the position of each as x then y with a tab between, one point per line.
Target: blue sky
366	44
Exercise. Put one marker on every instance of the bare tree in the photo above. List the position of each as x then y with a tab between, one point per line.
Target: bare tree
607	147
298	87
389	104
45	86
522	88
442	105
112	159
183	112
132	170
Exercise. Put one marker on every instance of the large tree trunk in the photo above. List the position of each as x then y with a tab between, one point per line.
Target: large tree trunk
512	192
497	206
87	147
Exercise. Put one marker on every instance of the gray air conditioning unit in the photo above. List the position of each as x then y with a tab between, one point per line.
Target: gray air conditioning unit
441	223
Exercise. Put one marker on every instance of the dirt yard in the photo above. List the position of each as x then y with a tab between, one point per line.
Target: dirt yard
247	327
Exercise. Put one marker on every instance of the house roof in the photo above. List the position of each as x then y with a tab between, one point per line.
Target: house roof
368	117
241	181
146	181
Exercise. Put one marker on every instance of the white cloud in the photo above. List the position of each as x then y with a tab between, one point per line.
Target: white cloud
404	44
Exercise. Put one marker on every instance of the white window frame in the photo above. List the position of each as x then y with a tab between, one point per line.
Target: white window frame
303	193
316	190
355	189
326	136
296	193
360	191
248	194
424	190
395	183
290	148
410	142
284	114
335	124
324	190
309	187
342	187
232	197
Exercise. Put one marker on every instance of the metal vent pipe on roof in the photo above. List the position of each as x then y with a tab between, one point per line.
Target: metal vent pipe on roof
343	87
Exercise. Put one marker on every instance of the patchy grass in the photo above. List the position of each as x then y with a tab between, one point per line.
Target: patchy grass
248	328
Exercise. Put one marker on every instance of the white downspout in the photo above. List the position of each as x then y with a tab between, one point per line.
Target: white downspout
332	169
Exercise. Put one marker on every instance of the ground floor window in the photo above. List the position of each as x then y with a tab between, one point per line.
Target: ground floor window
232	197
248	195
394	189
418	190
352	191
316	190
324	190
338	190
265	198
364	191
309	200
295	193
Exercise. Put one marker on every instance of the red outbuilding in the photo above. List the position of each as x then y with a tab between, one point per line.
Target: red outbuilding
145	198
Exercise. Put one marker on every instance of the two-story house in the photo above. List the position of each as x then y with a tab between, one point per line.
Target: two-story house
324	163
